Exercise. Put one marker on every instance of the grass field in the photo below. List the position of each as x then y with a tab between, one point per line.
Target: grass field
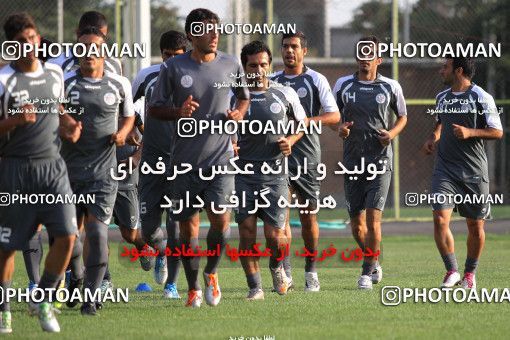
338	311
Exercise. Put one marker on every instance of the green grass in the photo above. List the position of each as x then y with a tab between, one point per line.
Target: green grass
338	311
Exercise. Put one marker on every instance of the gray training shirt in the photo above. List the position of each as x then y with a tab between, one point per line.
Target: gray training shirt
368	105
158	134
180	77
40	139
464	160
278	103
314	93
92	157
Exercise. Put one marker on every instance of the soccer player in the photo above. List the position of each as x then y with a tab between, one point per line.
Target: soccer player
187	88
466	115
100	95
158	143
270	103
32	253
70	63
366	99
315	95
31	164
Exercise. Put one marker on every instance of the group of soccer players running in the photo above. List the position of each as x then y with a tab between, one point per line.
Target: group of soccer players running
59	151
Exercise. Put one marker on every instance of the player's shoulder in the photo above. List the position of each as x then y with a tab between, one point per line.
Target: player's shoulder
317	77
286	91
6	72
275	75
69	75
395	85
53	68
342	81
227	58
59	60
180	59
481	93
443	93
147	71
116	77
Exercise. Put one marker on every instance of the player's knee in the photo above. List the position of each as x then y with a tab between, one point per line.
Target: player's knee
129	235
475	228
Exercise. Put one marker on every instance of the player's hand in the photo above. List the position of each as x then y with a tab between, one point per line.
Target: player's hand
461	132
72	131
28	116
285	146
429	146
345	129
384	137
119	139
236	149
133	138
188	107
234	115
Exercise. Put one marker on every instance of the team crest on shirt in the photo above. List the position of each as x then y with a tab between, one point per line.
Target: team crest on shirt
186	81
109	98
380	98
56	90
275	108
301	92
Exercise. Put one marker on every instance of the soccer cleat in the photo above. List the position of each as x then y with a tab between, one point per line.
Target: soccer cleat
147	262
32	285
451	279
47	317
212	290
281	282
469	281
194	298
312	282
73	285
376	275
88	308
160	270
60	295
365	282
99	305
170	291
106	285
5	322
255	294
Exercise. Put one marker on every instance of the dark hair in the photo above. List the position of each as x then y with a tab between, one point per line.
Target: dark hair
199	15
253	48
92	18
372	38
172	40
16	23
297	34
92	30
467	64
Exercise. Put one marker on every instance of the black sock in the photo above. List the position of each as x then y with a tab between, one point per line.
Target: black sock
310	263
49	280
32	255
107	276
471	265
97	235
287	267
254	280
450	262
5	306
191	265
76	263
367	268
173	263
215	237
